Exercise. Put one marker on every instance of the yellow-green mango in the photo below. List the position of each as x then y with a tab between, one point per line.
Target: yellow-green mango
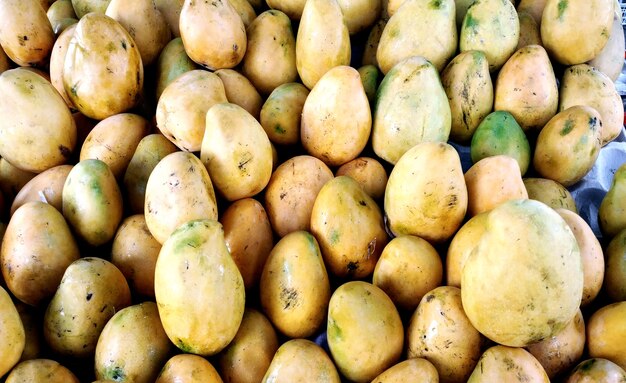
57	62
236	152
281	114
468	85
92	201
491	26
526	87
612	212
359	15
145	24
270	59
60	14
83	7
300	360
440	332
91	291
416	369
499	133
426	194
610	60
550	192
574	32
411	107
529	33
26	34
365	333
508	364
534	8
461	246
371	45
12	332
369	77
586	85
349	227
103	72
182	107
198	288
531	238
322	41
37	128
596	370
133	346
615	274
248	356
292	8
213	33
39	370
403	37
294	286
560	353
567	147
150	150
179	189
336	118
173	61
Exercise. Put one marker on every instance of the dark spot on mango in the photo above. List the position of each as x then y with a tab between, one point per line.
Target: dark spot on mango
65	151
352	267
115	373
245	159
362	203
183	346
436	4
452	201
22	40
430	297
289	297
124	44
279	129
74	89
586	365
88	297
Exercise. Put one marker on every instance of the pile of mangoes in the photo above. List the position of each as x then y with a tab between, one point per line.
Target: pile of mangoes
309	191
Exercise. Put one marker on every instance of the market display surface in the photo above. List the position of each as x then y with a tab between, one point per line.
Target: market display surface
312	191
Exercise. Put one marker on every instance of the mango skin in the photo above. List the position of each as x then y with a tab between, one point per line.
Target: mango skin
12	331
199	291
411	107
365	333
526	87
322	41
547	290
568	32
102	55
468	85
426	193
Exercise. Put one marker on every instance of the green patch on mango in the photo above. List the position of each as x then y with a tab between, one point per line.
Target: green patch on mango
470	22
114	373
436	4
562	6
567	128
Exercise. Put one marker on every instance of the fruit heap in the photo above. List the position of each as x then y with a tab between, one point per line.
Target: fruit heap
309	191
